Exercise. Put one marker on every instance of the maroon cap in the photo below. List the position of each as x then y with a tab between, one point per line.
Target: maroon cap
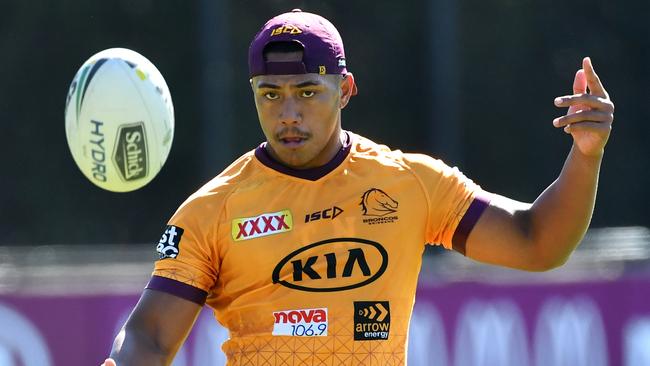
321	42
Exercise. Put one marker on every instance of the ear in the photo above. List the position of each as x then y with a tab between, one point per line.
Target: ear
348	89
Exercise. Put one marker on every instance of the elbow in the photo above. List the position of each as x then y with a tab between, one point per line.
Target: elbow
536	256
542	265
546	260
550	250
552	263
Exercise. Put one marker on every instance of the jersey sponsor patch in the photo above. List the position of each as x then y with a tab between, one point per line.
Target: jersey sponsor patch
301	323
371	320
329	213
168	245
378	207
336	264
262	225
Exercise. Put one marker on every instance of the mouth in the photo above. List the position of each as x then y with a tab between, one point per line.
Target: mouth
292	142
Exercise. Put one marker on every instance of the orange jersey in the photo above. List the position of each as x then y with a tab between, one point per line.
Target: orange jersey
320	266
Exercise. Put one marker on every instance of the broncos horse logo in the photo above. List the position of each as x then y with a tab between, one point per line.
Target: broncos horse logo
376	202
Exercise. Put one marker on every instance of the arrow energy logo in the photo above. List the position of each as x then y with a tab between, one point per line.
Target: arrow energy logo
371	320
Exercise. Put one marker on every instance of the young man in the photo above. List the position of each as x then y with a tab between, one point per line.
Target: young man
309	247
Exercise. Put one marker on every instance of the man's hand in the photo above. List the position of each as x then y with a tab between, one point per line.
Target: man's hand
541	236
591	112
109	362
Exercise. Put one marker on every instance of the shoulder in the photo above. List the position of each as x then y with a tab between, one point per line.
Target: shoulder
364	148
211	197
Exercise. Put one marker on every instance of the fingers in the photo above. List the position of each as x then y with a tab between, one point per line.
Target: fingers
585	100
594	106
590	112
593	81
584	116
602	129
108	362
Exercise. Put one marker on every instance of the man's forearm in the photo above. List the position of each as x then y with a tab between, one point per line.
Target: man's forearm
560	216
135	348
148	337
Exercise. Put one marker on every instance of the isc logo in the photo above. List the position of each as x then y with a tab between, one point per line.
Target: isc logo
288	28
265	224
332	265
329	213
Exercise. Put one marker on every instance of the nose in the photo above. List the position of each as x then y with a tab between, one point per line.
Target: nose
290	113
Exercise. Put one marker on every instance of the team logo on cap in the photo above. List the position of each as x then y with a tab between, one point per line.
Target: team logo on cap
287	28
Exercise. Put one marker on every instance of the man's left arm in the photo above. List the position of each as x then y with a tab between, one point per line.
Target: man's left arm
542	235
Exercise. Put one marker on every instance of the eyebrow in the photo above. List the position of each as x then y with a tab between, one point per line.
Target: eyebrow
301	85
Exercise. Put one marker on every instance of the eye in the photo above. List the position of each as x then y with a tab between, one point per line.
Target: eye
307	93
271	96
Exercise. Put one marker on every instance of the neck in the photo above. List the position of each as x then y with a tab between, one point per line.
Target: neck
330	150
334	145
263	155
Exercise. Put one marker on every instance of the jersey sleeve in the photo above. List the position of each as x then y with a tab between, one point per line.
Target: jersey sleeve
454	202
188	266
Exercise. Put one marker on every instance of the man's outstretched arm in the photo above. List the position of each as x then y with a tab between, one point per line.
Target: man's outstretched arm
155	330
542	235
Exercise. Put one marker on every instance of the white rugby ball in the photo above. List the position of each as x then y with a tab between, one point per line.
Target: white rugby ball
119	120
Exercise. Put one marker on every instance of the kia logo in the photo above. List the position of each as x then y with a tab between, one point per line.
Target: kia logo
353	262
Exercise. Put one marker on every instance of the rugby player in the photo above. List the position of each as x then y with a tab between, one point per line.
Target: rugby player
308	248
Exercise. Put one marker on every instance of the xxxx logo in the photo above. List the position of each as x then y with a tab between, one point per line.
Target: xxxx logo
262	225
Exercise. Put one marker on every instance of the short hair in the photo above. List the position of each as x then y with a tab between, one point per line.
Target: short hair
282	47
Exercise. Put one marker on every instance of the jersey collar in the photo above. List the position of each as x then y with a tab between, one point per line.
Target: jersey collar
309	174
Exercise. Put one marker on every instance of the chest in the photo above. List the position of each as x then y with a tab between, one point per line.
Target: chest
322	237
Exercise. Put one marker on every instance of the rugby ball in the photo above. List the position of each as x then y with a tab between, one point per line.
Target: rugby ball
119	120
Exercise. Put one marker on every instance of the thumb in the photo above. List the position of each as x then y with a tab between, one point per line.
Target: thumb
580	82
109	362
579	87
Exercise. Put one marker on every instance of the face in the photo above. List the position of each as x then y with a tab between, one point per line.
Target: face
300	115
